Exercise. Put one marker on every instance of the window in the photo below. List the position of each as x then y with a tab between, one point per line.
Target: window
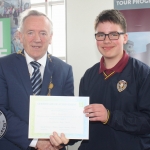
55	9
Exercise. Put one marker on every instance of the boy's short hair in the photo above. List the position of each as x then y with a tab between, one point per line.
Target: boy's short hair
113	16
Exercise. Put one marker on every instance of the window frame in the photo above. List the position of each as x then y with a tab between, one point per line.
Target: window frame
50	4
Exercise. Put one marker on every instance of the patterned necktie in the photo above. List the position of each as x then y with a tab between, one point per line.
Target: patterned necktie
36	80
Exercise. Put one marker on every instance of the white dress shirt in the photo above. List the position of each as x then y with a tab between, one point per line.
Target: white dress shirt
42	61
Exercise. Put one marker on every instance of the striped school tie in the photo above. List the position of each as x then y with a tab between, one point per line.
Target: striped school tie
36	80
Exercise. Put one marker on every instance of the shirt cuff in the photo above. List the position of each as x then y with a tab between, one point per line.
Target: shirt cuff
33	143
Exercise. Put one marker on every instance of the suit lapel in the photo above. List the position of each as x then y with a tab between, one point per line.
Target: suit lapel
21	67
47	76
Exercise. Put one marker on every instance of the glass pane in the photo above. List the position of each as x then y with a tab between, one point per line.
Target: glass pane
42	9
56	0
39	8
58	41
41	1
37	1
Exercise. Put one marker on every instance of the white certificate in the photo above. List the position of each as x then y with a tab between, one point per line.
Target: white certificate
62	114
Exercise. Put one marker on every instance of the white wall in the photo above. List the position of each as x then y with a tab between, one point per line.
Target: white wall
82	52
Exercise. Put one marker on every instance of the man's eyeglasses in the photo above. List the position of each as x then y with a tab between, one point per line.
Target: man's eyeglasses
112	36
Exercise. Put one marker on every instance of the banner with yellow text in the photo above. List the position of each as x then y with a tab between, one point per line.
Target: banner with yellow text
137	13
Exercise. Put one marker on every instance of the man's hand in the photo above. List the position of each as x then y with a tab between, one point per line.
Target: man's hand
44	144
58	141
96	112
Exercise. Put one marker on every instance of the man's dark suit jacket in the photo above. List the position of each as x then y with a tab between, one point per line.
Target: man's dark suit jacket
15	89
